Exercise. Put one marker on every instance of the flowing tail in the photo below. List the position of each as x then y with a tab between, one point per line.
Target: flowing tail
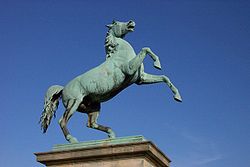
51	103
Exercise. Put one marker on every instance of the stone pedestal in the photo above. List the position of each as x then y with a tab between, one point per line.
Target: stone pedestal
120	152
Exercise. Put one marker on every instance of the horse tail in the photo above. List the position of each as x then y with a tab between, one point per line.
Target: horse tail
51	103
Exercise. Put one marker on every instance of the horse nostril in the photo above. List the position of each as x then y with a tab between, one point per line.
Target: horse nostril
130	21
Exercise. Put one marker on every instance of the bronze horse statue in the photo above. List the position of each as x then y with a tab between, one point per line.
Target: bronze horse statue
87	91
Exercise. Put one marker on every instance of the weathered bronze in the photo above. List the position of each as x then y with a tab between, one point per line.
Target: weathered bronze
86	92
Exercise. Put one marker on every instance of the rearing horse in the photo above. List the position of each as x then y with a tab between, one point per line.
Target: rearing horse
85	92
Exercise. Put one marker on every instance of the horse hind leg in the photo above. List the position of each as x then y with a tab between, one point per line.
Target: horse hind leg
70	109
92	123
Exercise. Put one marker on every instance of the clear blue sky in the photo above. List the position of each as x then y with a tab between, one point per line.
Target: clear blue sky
204	47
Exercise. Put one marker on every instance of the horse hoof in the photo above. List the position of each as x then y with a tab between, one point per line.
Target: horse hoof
71	139
157	65
112	136
177	97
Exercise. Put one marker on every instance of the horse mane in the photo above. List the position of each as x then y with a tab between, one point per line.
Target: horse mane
110	44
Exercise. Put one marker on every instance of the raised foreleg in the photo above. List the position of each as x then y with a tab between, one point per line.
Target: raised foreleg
92	123
136	62
151	79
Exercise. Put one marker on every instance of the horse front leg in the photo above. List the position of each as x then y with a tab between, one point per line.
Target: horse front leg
157	63
151	79
136	62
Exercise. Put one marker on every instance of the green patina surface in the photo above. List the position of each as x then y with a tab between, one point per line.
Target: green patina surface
93	143
85	93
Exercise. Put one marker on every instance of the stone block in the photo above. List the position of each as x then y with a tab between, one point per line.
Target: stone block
133	151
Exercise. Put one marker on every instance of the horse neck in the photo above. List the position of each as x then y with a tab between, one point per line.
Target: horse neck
113	44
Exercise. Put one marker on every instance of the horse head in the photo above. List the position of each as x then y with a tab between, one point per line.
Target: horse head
120	29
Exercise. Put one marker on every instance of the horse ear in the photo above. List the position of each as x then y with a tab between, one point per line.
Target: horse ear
109	25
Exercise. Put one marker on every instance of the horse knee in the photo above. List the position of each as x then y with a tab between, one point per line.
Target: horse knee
166	79
61	122
146	49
